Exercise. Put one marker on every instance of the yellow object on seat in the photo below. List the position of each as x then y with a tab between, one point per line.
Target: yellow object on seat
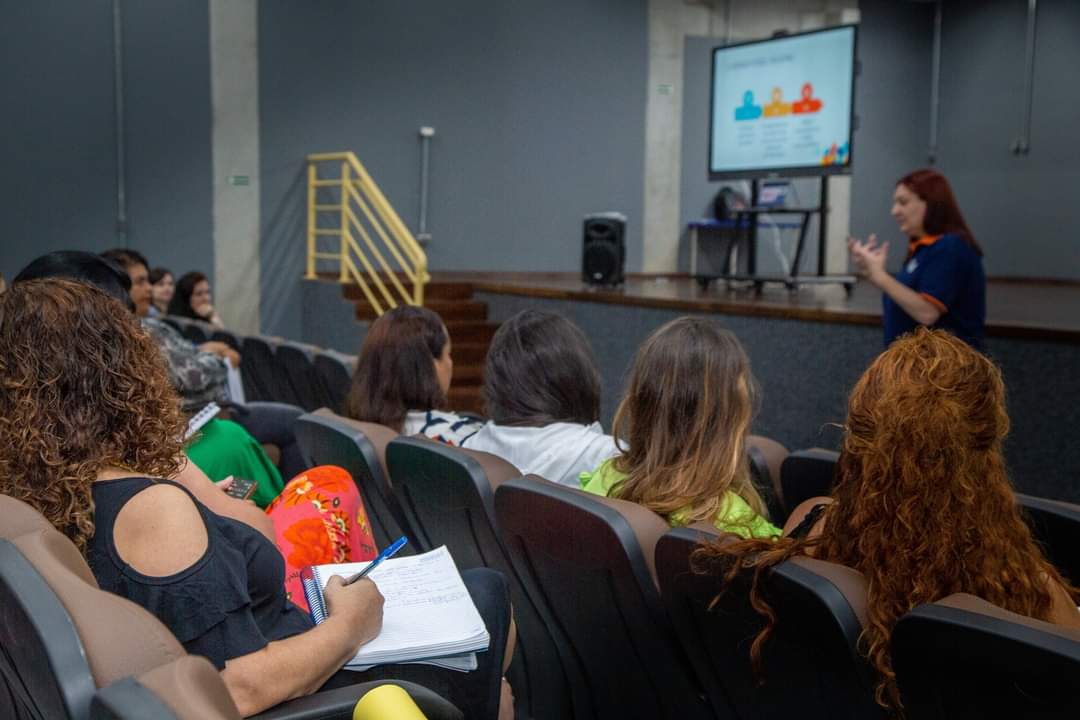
387	702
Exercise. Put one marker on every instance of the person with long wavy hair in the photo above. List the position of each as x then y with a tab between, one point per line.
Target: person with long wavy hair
682	429
942	283
91	434
922	505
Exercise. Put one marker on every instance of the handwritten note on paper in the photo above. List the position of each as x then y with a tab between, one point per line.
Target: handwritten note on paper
427	613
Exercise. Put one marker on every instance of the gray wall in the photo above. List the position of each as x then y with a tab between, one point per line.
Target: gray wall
58	148
1023	209
892	103
539	110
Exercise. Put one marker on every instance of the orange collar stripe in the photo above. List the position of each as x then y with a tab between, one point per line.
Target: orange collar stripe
924	241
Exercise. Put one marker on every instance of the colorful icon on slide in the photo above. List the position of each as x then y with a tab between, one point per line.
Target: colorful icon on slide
748	110
777	107
835	155
807	103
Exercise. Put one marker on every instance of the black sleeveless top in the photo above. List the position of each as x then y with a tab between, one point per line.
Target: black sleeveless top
231	602
802	530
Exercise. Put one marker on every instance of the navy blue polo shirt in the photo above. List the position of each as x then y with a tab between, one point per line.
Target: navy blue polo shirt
948	272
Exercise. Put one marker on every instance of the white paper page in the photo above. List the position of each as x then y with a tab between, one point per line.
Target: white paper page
427	607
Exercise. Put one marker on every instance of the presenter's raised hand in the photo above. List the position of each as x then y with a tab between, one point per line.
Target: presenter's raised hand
869	257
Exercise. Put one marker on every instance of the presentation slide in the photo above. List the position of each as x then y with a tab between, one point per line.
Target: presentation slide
783	103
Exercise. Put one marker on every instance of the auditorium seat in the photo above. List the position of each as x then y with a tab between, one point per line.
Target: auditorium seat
229	338
359	448
257	369
1056	526
296	363
63	638
811	665
963	657
805	474
447	496
191	689
766	458
335	371
590	561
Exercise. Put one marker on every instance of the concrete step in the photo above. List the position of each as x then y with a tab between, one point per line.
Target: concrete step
466	375
448	309
471	331
468	353
466	399
432	291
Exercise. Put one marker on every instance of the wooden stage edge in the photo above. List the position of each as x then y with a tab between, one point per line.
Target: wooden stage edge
1016	308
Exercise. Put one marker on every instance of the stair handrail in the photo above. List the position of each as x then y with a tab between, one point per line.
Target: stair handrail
361	199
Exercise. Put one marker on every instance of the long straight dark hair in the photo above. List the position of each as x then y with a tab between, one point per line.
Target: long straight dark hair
396	369
942	211
185	287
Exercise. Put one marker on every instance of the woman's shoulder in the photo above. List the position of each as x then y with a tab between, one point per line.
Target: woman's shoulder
736	515
160	531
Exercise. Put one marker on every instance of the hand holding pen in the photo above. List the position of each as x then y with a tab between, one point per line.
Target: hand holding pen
387	552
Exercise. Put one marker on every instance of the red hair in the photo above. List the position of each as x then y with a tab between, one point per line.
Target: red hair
942	211
922	504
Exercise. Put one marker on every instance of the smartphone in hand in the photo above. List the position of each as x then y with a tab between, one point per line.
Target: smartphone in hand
241	488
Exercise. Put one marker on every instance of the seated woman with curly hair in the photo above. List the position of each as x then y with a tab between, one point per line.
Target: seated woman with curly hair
922	484
90	429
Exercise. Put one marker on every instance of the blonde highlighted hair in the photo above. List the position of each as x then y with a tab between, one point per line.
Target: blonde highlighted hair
684	421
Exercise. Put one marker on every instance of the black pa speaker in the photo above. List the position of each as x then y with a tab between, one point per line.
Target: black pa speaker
604	253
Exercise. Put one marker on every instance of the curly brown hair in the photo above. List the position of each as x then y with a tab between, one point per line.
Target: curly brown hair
922	504
82	388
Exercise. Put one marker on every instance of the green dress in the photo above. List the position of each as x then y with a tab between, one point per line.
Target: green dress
223	448
735	516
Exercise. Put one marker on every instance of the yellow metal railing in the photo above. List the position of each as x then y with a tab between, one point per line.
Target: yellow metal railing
361	211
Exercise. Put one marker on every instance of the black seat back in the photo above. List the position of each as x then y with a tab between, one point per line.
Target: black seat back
822	610
43	667
963	657
716	643
448	497
359	448
334	371
1056	526
805	474
257	369
590	559
229	338
298	373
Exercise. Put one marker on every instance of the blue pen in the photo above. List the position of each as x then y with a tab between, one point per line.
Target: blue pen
390	550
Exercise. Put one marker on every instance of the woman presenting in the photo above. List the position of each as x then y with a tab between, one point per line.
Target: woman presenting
942	283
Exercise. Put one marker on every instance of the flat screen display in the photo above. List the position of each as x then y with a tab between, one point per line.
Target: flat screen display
783	106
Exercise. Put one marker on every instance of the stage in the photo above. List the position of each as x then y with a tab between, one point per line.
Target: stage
1043	310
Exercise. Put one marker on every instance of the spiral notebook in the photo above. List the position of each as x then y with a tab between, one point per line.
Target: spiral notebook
428	615
195	424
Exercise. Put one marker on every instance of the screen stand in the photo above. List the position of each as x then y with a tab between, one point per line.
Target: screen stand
741	229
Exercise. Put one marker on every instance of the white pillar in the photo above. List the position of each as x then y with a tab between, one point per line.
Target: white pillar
234	87
670	21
